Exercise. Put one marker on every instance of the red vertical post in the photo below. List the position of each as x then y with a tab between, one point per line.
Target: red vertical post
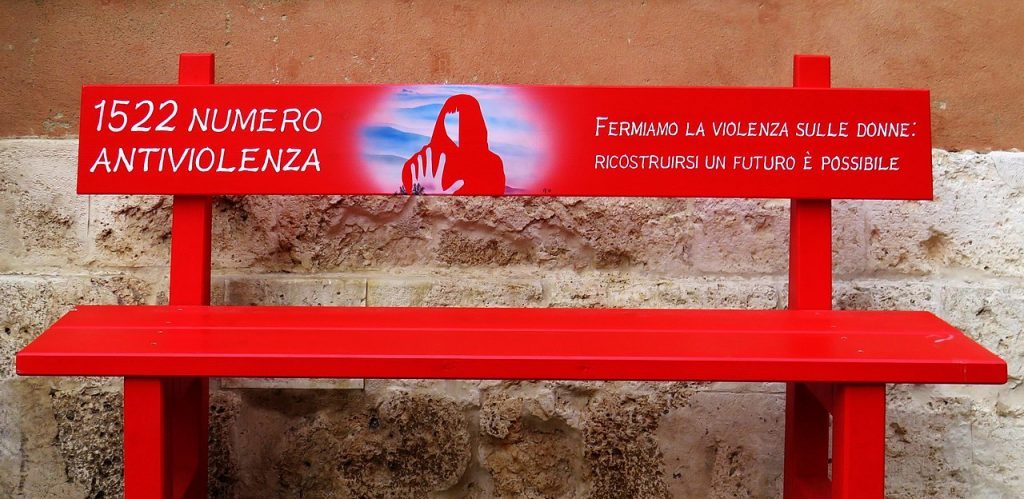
167	420
190	285
810	225
858	442
810	287
146	463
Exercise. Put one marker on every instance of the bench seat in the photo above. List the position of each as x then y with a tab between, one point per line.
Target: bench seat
510	343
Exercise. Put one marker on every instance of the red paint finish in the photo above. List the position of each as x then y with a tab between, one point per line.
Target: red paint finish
858	441
810	288
188	402
810	254
835	362
468	343
190	250
146	439
183	402
586	141
807	435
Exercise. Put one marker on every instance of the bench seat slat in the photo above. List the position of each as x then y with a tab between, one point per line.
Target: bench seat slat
509	343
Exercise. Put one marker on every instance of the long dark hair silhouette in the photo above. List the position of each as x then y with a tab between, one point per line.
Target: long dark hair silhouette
471	160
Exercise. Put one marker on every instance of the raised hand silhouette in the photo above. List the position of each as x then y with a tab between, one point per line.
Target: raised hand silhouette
427	177
468	167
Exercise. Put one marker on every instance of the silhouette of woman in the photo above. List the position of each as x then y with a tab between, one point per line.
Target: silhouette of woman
466	168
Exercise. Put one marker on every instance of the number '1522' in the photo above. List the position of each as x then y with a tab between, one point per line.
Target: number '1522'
117	119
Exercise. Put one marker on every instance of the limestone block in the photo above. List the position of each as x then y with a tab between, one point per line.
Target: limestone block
130	231
223	474
451	291
974	223
618	289
997	451
733	293
883	294
741	236
314	444
30	304
338	233
31	460
311	291
90	435
929	443
992	314
43	223
724	445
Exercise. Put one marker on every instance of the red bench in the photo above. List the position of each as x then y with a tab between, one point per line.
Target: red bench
843	143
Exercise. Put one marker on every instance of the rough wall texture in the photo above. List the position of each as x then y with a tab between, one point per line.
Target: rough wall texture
961	256
966	51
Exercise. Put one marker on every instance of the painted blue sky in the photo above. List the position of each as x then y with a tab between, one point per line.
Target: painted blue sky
405	119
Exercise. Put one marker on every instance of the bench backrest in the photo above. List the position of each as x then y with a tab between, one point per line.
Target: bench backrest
809	143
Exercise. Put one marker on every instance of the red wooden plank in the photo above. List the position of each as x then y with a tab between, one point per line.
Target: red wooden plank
740	345
515	140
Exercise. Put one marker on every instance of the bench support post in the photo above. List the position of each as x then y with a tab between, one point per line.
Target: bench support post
858	411
858	442
166	422
810	287
146	463
807	435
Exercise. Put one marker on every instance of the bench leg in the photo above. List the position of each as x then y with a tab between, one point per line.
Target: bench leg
165	437
146	457
858	441
807	432
189	415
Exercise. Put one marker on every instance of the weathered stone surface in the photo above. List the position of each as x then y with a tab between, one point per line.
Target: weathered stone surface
31	462
337	233
997	447
849	237
130	231
724	445
294	291
408	445
29	304
719	293
993	315
89	435
529	451
312	233
1010	167
958	257
879	294
223	472
974	223
448	291
741	236
621	448
43	223
618	289
928	444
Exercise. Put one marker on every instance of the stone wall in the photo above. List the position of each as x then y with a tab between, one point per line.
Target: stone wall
960	256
